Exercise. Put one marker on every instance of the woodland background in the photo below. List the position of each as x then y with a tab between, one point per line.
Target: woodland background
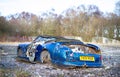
86	22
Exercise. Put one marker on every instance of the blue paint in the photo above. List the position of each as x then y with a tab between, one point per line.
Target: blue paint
61	54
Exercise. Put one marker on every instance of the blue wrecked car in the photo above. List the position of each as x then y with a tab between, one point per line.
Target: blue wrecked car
60	51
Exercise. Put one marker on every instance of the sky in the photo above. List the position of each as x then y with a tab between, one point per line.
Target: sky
8	7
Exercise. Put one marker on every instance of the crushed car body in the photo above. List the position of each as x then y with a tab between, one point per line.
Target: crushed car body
60	51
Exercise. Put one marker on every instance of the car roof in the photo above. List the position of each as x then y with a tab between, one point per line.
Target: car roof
58	38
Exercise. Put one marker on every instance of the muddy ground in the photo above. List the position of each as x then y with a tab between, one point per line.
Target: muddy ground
8	61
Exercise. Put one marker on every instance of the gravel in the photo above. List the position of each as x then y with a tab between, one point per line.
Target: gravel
110	55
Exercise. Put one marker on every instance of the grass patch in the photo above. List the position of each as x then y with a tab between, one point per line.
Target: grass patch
6	73
22	73
14	73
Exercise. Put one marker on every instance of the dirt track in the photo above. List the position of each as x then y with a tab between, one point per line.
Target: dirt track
111	62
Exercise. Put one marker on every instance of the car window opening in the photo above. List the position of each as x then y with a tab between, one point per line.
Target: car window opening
83	49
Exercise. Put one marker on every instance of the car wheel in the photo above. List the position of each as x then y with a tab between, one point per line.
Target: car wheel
45	57
19	53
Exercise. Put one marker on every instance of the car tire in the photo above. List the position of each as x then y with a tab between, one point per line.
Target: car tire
19	53
45	57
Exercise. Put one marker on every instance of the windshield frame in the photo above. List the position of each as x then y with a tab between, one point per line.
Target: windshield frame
54	38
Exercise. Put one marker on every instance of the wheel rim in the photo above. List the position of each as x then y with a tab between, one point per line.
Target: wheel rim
45	57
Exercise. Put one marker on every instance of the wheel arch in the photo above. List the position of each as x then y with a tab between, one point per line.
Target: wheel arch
43	52
44	49
18	48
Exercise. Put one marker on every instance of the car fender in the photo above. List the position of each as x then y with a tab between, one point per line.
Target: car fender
23	47
93	46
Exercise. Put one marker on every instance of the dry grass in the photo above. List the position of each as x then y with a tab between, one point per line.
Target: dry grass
12	43
14	73
22	73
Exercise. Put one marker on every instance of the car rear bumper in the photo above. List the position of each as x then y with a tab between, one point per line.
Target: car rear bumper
80	64
83	64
